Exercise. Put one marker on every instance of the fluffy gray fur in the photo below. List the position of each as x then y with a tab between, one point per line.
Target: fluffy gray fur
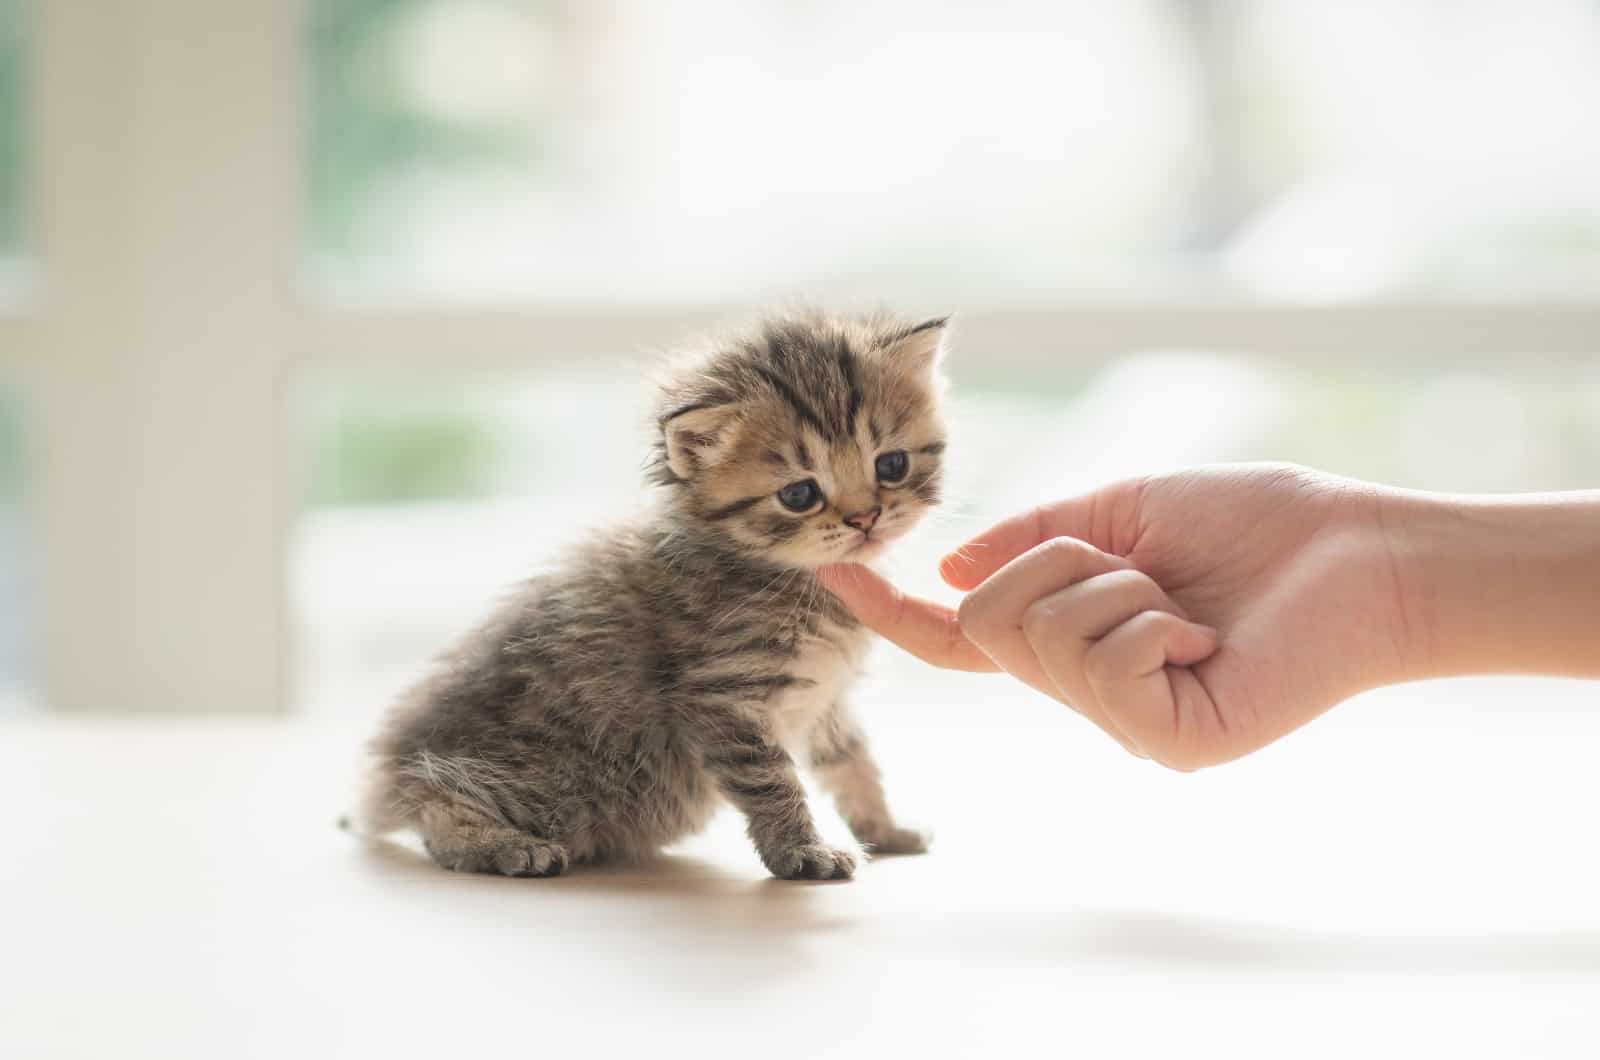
690	655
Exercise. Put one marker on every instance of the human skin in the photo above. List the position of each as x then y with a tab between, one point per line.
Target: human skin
1201	615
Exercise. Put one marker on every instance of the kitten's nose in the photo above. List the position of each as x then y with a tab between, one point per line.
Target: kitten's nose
864	520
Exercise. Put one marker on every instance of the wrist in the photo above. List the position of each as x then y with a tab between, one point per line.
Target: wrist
1495	584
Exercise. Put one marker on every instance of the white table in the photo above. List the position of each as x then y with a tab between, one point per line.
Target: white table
1415	875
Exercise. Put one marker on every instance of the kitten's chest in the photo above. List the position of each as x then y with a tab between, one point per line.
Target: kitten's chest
823	669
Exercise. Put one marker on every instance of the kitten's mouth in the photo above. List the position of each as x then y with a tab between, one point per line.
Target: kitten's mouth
864	549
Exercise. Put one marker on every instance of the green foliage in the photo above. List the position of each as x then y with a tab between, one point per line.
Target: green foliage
13	169
384	450
362	129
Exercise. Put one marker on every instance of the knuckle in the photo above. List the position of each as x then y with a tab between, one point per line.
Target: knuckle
1127	577
1100	664
1151	622
1177	764
1037	619
973	615
980	621
1064	550
1182	756
1135	585
1169	753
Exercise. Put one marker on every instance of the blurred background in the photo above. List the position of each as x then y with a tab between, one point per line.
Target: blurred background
322	322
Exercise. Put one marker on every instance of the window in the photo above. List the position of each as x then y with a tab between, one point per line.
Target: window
1367	225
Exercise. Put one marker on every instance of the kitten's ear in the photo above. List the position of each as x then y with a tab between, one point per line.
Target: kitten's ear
698	437
917	349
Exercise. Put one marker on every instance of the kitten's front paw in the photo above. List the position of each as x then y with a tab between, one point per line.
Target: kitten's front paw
810	861
892	839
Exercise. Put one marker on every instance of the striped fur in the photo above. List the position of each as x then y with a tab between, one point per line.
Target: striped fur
690	655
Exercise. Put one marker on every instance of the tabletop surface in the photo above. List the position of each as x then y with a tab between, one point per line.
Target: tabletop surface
1415	874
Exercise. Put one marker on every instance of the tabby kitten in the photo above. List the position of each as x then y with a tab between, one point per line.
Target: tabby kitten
691	654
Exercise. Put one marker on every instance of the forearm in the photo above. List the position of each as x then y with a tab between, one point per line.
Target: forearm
1498	584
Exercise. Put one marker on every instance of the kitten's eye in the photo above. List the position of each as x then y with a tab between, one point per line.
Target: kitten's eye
798	496
892	467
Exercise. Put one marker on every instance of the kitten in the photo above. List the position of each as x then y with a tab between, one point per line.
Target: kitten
691	655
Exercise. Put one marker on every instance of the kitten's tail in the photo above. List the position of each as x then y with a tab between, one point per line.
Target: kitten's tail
379	812
361	828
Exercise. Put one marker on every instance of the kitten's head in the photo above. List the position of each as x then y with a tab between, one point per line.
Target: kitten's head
810	440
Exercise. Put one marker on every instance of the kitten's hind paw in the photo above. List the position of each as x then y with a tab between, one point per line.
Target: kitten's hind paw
517	856
811	861
893	839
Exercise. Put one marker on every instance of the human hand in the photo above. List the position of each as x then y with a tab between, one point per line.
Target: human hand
1195	616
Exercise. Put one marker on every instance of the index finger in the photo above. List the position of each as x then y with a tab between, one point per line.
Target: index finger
1086	518
925	629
